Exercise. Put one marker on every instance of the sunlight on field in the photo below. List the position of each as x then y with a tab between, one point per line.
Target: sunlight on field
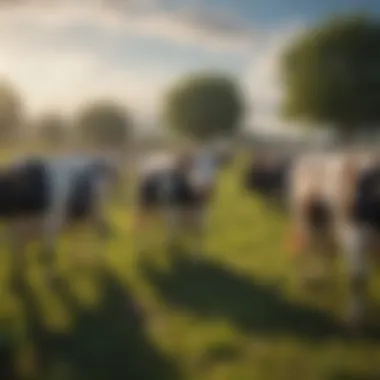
237	313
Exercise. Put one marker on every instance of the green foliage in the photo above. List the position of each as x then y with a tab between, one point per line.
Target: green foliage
331	74
11	112
203	106
105	124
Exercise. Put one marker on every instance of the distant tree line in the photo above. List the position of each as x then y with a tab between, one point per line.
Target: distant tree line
201	106
330	76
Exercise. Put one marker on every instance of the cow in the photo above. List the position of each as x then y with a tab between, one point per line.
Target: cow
179	189
268	176
52	192
334	201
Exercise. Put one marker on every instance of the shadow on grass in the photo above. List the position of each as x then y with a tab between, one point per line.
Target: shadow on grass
350	376
211	290
7	350
106	343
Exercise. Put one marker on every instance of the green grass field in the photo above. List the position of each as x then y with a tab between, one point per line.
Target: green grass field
236	314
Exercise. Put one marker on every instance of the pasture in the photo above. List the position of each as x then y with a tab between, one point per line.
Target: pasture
237	313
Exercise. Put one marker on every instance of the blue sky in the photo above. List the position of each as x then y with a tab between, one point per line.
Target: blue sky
62	53
261	12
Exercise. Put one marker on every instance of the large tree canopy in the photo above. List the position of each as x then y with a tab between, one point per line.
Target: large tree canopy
104	124
203	106
331	74
11	112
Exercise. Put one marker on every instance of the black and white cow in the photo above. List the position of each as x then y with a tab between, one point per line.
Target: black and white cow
50	193
335	198
178	188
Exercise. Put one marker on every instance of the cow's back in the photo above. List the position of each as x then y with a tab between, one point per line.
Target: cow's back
75	182
166	187
24	189
330	177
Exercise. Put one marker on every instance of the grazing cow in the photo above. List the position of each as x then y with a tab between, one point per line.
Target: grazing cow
53	192
334	198
268	176
179	189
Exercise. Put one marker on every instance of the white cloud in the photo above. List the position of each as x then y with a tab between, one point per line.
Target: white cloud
56	75
62	76
63	79
214	30
55	71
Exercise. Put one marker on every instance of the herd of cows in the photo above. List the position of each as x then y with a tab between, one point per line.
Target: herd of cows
330	198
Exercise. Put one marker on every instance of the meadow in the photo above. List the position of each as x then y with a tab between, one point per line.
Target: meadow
233	312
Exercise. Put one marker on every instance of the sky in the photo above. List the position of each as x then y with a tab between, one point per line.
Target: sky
61	53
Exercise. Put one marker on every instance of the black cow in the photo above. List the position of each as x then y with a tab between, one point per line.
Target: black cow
269	177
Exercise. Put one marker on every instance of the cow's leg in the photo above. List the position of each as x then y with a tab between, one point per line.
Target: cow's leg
143	218
305	243
17	241
297	237
15	235
328	251
53	224
60	182
312	221
101	225
49	237
196	222
308	258
174	221
354	242
298	243
138	224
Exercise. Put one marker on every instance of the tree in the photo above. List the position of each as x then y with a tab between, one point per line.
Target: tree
204	106
331	74
104	124
52	129
11	112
